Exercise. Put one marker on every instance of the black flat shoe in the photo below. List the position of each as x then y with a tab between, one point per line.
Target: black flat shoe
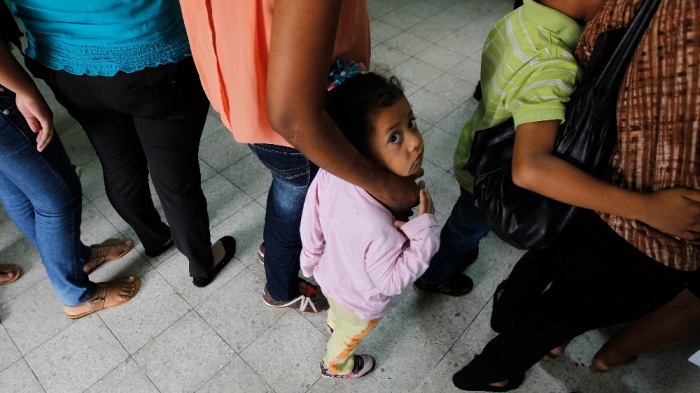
229	244
457	285
513	383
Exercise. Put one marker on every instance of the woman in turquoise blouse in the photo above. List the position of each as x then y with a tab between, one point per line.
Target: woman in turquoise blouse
124	71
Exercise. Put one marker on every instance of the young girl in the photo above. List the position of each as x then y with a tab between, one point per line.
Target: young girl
357	250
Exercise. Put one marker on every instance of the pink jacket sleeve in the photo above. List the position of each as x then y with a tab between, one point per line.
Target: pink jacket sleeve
393	260
312	239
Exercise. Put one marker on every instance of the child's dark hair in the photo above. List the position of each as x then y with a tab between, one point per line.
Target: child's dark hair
353	104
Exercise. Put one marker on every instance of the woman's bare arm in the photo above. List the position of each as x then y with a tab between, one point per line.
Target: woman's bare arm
29	101
301	50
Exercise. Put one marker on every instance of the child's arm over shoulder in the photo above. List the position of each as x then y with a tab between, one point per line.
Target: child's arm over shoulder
312	239
392	263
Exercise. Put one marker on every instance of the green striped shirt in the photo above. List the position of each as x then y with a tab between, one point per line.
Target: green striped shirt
528	73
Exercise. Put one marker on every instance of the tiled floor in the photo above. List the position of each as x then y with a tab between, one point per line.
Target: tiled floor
174	337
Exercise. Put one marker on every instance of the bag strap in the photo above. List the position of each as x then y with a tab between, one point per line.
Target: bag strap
619	60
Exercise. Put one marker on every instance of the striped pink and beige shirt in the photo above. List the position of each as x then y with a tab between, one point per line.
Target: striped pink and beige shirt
658	117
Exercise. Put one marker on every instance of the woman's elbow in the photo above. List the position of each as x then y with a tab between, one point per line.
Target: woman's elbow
523	174
282	118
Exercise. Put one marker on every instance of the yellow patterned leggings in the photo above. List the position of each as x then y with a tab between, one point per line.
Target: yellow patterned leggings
348	331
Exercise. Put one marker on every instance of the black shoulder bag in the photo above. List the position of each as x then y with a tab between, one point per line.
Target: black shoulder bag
587	138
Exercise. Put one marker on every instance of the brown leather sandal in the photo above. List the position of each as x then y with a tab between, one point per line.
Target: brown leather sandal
98	300
10	268
99	256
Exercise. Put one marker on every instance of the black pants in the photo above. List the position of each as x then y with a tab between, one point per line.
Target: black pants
597	279
146	120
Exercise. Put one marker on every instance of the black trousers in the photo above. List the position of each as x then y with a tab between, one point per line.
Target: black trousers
597	279
146	120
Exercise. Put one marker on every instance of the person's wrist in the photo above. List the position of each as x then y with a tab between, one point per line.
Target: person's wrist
640	206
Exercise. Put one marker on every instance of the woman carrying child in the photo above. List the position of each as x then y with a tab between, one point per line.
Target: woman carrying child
357	250
640	247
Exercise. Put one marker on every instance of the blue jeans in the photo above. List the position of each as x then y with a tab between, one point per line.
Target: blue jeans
461	234
42	195
292	174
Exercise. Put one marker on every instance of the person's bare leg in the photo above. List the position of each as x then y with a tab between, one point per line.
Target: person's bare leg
671	323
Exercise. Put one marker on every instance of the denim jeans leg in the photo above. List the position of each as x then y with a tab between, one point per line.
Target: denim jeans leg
42	195
461	234
292	174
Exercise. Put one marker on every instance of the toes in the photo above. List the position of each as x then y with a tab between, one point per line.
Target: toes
120	248
121	290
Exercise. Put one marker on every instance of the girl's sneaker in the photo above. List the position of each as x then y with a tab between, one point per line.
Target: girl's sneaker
364	364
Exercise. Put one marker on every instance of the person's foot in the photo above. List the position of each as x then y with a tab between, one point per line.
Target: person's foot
604	361
222	251
457	285
9	273
310	299
558	351
463	381
363	365
107	251
109	294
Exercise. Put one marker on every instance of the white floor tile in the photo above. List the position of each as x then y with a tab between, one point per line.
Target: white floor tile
185	356
19	378
77	357
126	378
155	308
288	354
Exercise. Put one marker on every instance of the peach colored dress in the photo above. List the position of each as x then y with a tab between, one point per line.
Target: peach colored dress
230	42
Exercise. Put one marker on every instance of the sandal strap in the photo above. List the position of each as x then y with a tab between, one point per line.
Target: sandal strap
92	264
98	303
99	253
98	250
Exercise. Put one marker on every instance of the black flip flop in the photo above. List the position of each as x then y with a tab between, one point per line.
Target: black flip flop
229	244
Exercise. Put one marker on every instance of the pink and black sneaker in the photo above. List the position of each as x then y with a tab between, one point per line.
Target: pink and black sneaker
364	364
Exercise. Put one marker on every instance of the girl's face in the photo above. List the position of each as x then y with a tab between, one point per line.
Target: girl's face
396	141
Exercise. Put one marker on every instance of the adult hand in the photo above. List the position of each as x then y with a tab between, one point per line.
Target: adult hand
38	115
29	101
425	204
400	194
674	211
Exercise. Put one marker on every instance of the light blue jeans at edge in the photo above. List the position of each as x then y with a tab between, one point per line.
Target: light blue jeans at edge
42	195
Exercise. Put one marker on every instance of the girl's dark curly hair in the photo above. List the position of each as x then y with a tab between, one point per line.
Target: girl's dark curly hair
353	105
